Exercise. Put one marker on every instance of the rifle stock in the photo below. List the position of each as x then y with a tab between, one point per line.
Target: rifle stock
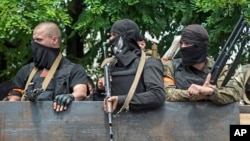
108	95
173	49
227	52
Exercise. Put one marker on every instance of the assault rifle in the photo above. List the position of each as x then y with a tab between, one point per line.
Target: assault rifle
227	52
108	94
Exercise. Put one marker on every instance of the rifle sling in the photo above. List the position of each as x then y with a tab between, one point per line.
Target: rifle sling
48	77
134	84
107	60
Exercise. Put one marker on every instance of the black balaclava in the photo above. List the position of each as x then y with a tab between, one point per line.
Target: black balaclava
197	35
125	46
43	57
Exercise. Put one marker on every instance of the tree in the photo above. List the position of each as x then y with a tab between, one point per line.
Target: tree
162	19
18	18
220	21
86	24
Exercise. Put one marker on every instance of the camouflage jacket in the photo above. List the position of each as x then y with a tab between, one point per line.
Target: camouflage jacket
242	76
222	95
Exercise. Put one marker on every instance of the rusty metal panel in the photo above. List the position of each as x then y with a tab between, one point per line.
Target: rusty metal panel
175	121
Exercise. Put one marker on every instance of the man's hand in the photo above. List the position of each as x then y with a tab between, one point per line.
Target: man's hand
100	83
114	102
206	90
62	102
207	82
14	98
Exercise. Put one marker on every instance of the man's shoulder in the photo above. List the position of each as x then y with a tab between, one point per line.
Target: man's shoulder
173	64
27	66
67	63
74	65
152	59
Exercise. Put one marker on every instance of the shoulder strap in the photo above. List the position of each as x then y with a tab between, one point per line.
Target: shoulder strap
48	77
107	60
32	74
135	83
245	81
51	72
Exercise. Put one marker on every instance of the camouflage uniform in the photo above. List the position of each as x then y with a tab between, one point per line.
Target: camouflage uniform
222	95
244	81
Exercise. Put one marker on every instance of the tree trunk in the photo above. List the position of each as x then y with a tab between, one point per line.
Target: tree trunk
74	45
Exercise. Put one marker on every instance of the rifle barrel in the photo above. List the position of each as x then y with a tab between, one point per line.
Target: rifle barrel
236	61
108	95
226	51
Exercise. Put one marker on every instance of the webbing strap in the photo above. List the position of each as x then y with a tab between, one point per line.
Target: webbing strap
135	83
107	60
32	74
48	77
51	72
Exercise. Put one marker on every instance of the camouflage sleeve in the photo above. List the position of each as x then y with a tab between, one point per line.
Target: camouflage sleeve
171	93
232	92
246	83
243	81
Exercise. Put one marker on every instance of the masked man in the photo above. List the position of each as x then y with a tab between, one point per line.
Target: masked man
50	77
124	41
188	78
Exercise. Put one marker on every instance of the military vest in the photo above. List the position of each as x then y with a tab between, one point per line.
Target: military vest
59	84
185	76
123	77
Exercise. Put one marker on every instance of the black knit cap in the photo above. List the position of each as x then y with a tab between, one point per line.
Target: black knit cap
195	34
127	29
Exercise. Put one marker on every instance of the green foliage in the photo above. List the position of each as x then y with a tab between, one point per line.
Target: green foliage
222	18
160	18
99	15
18	18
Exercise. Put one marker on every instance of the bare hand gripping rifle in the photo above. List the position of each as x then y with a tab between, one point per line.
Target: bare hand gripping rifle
227	52
108	94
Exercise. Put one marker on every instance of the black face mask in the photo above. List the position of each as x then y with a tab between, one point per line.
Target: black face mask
43	57
117	45
193	55
121	51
